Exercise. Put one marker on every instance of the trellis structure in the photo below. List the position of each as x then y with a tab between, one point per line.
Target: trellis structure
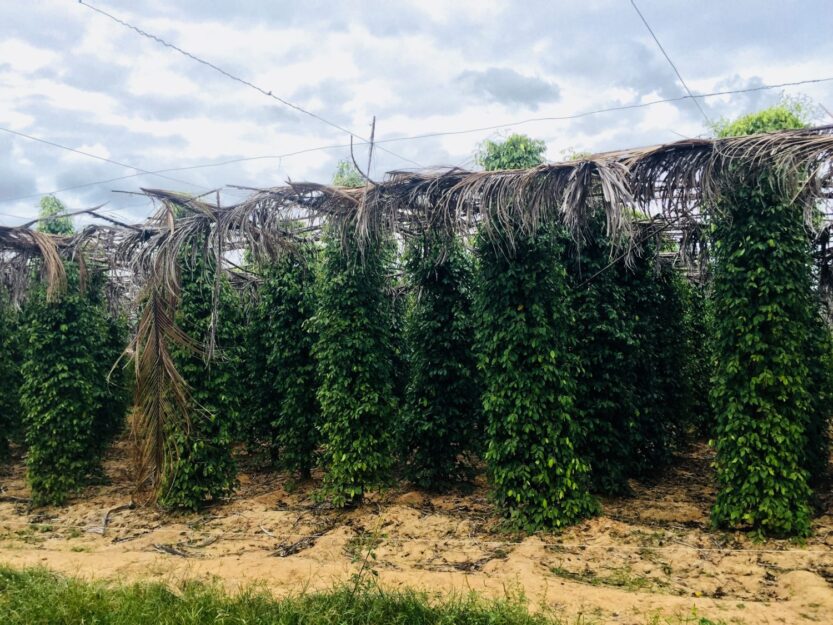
677	183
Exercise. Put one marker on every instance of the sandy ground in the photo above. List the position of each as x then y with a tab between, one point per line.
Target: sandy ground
647	557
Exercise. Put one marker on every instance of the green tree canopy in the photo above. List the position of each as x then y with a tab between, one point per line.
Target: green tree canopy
788	114
49	206
515	152
347	175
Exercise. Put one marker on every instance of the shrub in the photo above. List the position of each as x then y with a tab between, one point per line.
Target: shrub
442	416
524	338
64	391
203	469
283	381
355	361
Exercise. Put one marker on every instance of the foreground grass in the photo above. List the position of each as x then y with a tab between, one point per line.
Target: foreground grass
40	597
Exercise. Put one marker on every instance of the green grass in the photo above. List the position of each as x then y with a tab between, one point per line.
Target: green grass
39	597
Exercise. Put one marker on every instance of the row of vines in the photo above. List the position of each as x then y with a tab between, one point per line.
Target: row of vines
563	367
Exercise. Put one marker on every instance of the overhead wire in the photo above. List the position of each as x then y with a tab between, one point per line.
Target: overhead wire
173	169
95	156
238	79
610	109
670	62
418	137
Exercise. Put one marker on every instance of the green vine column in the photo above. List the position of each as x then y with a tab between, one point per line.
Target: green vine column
442	417
524	337
203	468
10	379
763	318
62	396
284	411
606	348
656	303
355	358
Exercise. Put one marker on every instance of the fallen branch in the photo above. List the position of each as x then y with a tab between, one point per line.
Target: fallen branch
171	550
101	529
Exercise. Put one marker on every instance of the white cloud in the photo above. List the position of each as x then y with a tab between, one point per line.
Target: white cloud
72	76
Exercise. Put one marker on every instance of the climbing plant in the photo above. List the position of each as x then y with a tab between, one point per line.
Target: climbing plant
699	361
441	421
355	355
763	314
65	396
10	380
656	304
606	350
524	340
203	469
284	411
771	376
524	343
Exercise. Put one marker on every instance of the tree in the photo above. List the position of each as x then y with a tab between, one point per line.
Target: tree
515	152
49	206
788	114
347	176
524	344
442	415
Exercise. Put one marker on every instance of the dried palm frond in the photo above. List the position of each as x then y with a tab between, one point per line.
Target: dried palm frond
18	246
161	402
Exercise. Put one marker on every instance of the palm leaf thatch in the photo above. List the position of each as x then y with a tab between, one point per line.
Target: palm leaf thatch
18	247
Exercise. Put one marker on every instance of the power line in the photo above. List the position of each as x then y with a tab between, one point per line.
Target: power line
95	156
171	169
522	122
235	78
670	62
610	109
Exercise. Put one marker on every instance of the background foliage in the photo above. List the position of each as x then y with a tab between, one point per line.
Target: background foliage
441	420
284	411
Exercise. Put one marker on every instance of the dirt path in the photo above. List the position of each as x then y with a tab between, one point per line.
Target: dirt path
647	555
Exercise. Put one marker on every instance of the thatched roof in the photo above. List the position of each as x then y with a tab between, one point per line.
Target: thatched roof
674	181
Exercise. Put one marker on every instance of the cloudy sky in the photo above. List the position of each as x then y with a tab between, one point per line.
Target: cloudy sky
70	76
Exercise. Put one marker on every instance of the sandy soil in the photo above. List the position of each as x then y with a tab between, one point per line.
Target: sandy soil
647	557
